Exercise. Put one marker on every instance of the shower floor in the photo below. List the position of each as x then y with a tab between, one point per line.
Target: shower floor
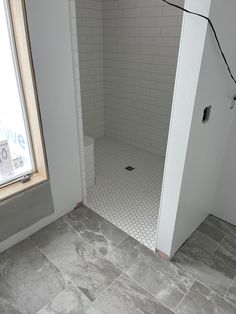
128	199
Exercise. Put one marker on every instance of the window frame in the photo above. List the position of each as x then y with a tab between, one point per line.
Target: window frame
20	40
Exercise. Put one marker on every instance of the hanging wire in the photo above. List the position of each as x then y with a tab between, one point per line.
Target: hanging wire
214	32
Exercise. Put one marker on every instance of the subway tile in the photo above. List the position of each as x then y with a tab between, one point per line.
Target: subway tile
127	4
151	12
127	62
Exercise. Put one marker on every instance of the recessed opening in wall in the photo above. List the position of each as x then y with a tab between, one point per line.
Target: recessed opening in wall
206	114
128	53
22	162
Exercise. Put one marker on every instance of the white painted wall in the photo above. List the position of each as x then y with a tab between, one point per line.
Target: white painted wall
182	110
195	152
49	28
225	199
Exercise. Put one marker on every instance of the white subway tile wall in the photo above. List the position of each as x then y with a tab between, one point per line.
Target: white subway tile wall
89	161
128	54
90	40
140	46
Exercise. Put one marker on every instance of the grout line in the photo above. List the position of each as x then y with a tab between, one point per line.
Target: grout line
68	284
64	275
51	262
148	261
53	298
202	283
139	285
120	242
231	285
103	292
184	296
90	246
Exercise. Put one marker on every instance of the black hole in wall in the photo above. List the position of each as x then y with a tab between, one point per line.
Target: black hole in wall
206	114
129	168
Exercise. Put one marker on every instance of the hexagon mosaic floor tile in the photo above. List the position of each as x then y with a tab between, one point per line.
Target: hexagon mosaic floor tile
128	198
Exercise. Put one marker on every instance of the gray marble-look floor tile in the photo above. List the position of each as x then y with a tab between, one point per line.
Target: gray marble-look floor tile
80	263
202	300
227	250
182	280
156	283
211	231
221	225
29	277
124	296
231	293
126	254
93	310
9	302
203	241
69	301
206	267
99	232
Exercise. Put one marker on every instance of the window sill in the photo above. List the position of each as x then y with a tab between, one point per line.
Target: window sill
18	187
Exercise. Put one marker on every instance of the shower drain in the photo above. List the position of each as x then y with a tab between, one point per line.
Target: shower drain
129	168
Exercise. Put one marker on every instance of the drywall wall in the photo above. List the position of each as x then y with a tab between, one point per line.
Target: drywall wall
90	40
24	209
141	44
50	37
187	75
194	187
225	199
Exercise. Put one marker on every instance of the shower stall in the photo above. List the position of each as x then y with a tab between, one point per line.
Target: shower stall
125	56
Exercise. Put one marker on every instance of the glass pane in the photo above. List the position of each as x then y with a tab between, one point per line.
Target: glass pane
16	157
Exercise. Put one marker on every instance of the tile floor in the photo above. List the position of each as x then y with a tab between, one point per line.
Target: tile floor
82	264
128	199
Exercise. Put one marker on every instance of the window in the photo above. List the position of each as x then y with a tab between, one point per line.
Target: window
22	162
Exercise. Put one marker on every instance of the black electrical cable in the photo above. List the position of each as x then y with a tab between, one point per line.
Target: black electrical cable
214	32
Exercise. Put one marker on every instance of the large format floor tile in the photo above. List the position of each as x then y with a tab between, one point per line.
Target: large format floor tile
227	250
201	300
28	280
126	254
231	293
221	225
207	268
157	283
96	230
9	300
203	241
70	300
80	263
124	296
181	279
210	256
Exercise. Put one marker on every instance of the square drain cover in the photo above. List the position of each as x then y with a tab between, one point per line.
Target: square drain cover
129	168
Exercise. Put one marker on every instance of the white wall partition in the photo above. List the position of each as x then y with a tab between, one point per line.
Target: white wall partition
225	200
196	150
